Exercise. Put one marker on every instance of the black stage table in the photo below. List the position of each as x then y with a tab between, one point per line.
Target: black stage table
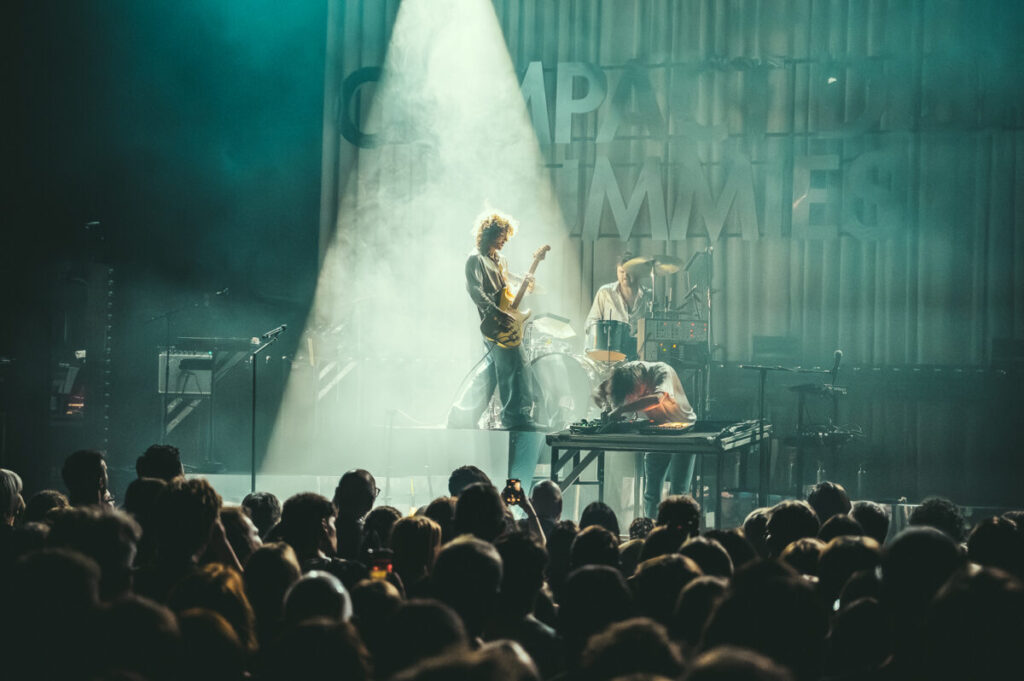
704	438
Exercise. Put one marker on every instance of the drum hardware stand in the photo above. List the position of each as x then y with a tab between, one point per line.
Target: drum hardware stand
266	340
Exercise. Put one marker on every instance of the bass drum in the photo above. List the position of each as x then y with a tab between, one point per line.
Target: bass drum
564	385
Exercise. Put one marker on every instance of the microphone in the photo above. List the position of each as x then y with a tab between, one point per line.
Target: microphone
274	332
835	367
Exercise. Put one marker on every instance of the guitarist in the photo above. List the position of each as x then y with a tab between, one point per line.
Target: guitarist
503	368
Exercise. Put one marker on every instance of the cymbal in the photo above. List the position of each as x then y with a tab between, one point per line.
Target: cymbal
515	280
663	265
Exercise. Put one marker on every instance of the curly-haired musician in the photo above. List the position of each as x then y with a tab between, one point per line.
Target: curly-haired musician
503	368
654	390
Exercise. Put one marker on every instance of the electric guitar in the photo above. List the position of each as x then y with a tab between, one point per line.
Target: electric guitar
492	326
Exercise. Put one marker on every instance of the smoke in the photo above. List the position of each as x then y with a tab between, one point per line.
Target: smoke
453	140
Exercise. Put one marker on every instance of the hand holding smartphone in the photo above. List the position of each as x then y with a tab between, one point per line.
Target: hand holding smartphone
513	494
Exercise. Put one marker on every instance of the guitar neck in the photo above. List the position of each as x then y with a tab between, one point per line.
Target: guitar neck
522	287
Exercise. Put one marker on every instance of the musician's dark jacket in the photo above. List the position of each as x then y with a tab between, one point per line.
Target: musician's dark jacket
485	280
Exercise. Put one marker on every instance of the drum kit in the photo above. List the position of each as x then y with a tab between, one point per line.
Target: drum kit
565	379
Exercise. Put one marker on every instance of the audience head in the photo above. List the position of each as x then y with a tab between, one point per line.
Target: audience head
546	498
41	503
218	588
374	601
595	545
480	512
755	529
914	565
975	623
693	607
317	594
107	536
442	512
415	541
789	521
841	524
50	599
377	527
709	555
640	528
729	663
140	498
803	555
942	514
840	559
241	532
873	518
599	513
420	629
657	583
635	646
212	649
997	542
355	493
501	660
662	540
778	617
861	584
464	476
467	577
270	572
307	525
629	556
160	461
739	549
858	643
11	502
85	476
523	562
318	649
264	509
141	636
580	614
559	545
828	499
186	511
682	511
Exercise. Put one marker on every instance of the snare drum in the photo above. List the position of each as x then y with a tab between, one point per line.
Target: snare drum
610	341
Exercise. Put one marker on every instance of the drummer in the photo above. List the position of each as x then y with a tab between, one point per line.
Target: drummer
624	300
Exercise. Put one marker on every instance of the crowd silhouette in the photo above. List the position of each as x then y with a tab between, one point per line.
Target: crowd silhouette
175	585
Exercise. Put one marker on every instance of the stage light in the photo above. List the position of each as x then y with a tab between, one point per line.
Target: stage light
454	140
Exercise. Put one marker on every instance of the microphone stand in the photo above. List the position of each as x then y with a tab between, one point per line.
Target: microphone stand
267	340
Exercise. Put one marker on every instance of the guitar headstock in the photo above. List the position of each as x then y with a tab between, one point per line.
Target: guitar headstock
541	252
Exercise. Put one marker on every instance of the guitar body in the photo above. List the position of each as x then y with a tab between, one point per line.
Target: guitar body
491	326
509	337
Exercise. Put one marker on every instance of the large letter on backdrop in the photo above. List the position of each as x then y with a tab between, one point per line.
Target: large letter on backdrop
647	114
804	195
648	186
349	129
536	99
694	192
866	181
566	105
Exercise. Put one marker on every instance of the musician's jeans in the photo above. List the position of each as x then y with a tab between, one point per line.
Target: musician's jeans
506	370
656	465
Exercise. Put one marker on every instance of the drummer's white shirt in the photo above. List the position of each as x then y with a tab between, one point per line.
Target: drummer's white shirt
609	304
